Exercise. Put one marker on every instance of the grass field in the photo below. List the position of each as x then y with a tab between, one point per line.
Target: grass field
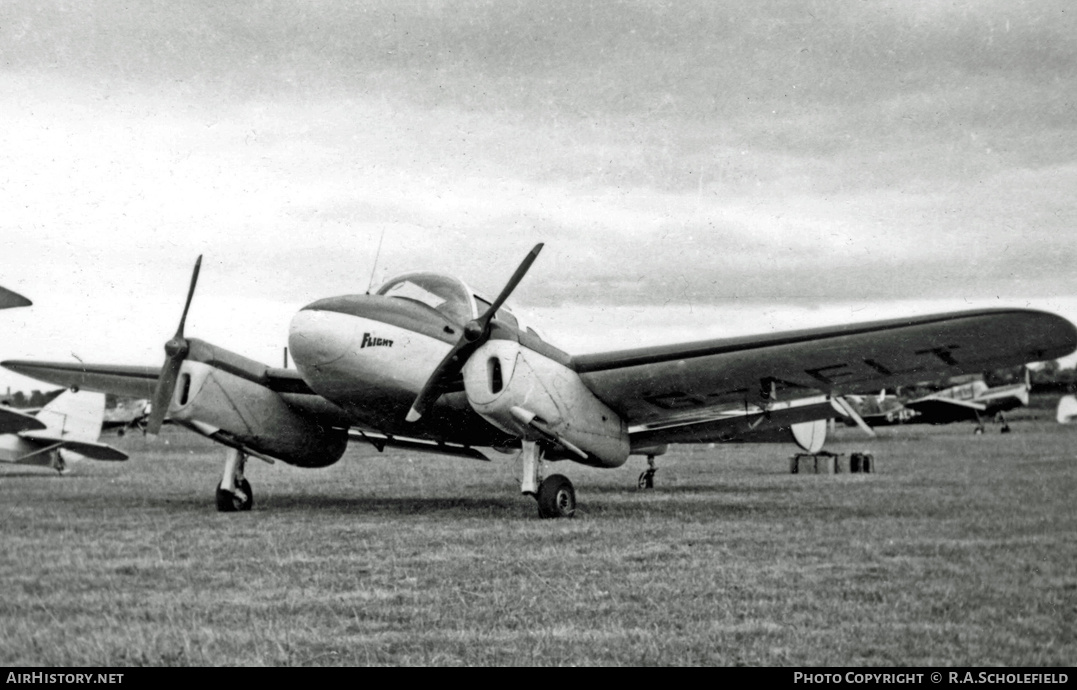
960	550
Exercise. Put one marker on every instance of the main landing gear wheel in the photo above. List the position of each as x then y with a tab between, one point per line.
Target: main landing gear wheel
556	497
228	502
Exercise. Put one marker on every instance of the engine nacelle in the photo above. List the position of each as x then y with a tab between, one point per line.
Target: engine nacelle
530	395
253	415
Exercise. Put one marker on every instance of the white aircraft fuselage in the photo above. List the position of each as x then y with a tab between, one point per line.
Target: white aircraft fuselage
372	354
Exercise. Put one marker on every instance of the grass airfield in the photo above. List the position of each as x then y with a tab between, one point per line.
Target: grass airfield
960	550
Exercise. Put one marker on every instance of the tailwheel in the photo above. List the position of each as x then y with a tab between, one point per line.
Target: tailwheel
556	497
241	499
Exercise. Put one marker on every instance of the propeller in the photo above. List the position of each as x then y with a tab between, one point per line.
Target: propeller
176	351
476	332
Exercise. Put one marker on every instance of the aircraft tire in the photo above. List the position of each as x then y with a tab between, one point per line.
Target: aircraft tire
228	502
556	497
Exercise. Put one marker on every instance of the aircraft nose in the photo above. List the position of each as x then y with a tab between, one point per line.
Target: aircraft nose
315	338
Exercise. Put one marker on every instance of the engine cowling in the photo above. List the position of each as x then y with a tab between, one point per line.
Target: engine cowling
254	416
530	395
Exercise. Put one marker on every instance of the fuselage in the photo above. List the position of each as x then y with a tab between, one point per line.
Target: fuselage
372	354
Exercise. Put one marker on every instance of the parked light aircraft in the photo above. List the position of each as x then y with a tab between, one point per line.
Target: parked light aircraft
70	422
425	363
127	415
973	401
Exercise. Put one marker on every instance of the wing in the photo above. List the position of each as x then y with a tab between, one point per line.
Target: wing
131	381
137	381
9	299
703	381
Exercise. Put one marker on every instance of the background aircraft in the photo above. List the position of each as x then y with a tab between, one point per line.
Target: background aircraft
71	422
972	401
426	363
127	415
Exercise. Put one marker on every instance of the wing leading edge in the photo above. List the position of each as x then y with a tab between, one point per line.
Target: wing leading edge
652	386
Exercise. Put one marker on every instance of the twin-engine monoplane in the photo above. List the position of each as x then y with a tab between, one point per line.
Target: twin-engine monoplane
426	363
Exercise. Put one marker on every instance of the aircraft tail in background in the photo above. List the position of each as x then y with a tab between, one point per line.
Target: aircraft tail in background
69	423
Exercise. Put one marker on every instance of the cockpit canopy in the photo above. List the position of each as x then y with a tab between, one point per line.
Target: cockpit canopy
444	294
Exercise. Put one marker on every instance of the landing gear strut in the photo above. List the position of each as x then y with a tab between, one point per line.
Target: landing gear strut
234	492
646	477
57	463
555	495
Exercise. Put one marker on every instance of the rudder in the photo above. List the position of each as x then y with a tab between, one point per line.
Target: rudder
74	415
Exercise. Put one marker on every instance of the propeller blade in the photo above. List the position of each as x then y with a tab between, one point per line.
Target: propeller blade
449	366
476	333
162	395
510	286
176	351
846	407
190	295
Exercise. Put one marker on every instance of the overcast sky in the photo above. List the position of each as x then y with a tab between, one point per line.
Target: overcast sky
695	169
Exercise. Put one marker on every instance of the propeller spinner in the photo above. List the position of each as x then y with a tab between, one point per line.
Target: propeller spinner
476	332
176	351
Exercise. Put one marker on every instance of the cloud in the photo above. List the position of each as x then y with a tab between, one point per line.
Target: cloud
686	154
